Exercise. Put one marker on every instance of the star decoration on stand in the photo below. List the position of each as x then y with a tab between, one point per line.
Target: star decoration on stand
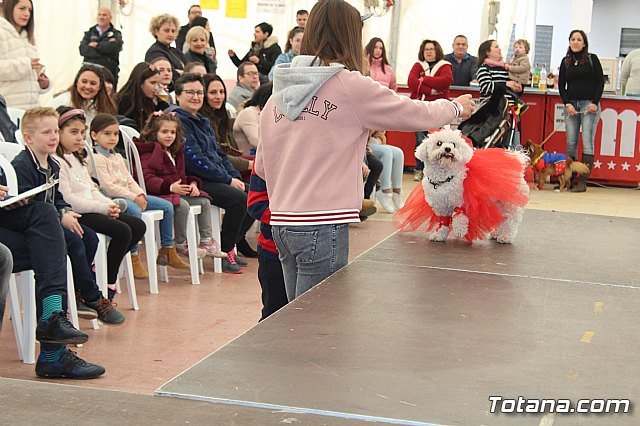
625	166
611	165
597	164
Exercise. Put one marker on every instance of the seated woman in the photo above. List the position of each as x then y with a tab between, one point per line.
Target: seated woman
291	49
88	92
205	160
392	159
164	28
137	99
163	66
214	108
245	128
198	41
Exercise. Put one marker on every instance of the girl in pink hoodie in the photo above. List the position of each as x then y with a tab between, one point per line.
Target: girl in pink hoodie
379	68
313	136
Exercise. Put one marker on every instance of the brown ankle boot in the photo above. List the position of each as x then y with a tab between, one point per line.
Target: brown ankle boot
172	258
139	270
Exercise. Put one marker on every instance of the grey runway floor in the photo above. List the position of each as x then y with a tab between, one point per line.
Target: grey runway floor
418	332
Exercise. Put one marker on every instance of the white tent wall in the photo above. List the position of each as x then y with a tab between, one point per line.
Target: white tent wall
61	24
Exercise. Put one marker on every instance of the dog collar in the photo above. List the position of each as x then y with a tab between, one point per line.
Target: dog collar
437	184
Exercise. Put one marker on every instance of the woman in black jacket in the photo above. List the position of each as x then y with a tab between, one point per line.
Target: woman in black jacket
164	29
581	83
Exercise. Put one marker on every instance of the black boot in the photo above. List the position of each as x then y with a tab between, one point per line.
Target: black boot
581	186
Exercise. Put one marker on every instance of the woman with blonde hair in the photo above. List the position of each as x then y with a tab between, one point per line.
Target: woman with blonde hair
314	138
198	42
164	28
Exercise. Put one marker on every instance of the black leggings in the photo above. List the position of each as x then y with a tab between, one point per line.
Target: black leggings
236	221
125	232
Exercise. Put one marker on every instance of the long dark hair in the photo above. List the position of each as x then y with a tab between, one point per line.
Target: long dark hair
483	49
102	102
334	34
219	118
582	56
260	96
149	133
140	107
369	51
7	12
81	156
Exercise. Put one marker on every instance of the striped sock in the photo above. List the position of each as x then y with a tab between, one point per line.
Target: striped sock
50	304
54	355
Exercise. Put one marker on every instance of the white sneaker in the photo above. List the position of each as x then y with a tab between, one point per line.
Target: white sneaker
397	200
386	201
183	249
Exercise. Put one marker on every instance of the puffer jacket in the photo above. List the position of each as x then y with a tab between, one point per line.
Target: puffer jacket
160	172
267	55
18	81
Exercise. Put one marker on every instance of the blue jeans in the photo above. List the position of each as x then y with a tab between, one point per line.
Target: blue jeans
309	254
392	159
589	122
166	224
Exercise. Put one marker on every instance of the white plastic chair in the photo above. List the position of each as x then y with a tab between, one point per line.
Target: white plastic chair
151	218
195	264
15	114
24	325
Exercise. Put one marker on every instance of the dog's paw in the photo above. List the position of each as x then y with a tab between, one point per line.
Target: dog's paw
440	235
460	225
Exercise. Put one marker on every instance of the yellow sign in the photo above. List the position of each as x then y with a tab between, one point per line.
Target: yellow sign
210	4
236	9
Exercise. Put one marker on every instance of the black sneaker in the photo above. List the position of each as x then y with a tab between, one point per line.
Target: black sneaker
107	313
86	312
58	330
229	264
69	366
239	261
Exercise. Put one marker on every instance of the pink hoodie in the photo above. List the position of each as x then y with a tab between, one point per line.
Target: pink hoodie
386	78
313	134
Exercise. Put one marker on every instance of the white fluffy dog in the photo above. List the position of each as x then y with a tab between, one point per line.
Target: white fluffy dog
473	194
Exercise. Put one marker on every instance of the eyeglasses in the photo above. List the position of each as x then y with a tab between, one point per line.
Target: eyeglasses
429	49
252	74
193	93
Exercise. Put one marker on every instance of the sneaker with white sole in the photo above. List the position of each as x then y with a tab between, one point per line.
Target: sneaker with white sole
212	249
386	201
183	249
397	200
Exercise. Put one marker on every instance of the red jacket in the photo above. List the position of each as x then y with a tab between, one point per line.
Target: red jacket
430	87
160	172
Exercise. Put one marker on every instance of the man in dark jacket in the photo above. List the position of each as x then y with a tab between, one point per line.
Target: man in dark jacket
102	44
194	13
464	65
264	51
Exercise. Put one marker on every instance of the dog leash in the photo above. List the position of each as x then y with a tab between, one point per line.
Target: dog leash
558	128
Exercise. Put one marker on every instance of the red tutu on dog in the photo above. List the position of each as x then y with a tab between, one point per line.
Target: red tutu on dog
494	179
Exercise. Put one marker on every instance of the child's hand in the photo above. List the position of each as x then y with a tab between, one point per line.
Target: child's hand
113	211
195	192
179	188
141	201
70	221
